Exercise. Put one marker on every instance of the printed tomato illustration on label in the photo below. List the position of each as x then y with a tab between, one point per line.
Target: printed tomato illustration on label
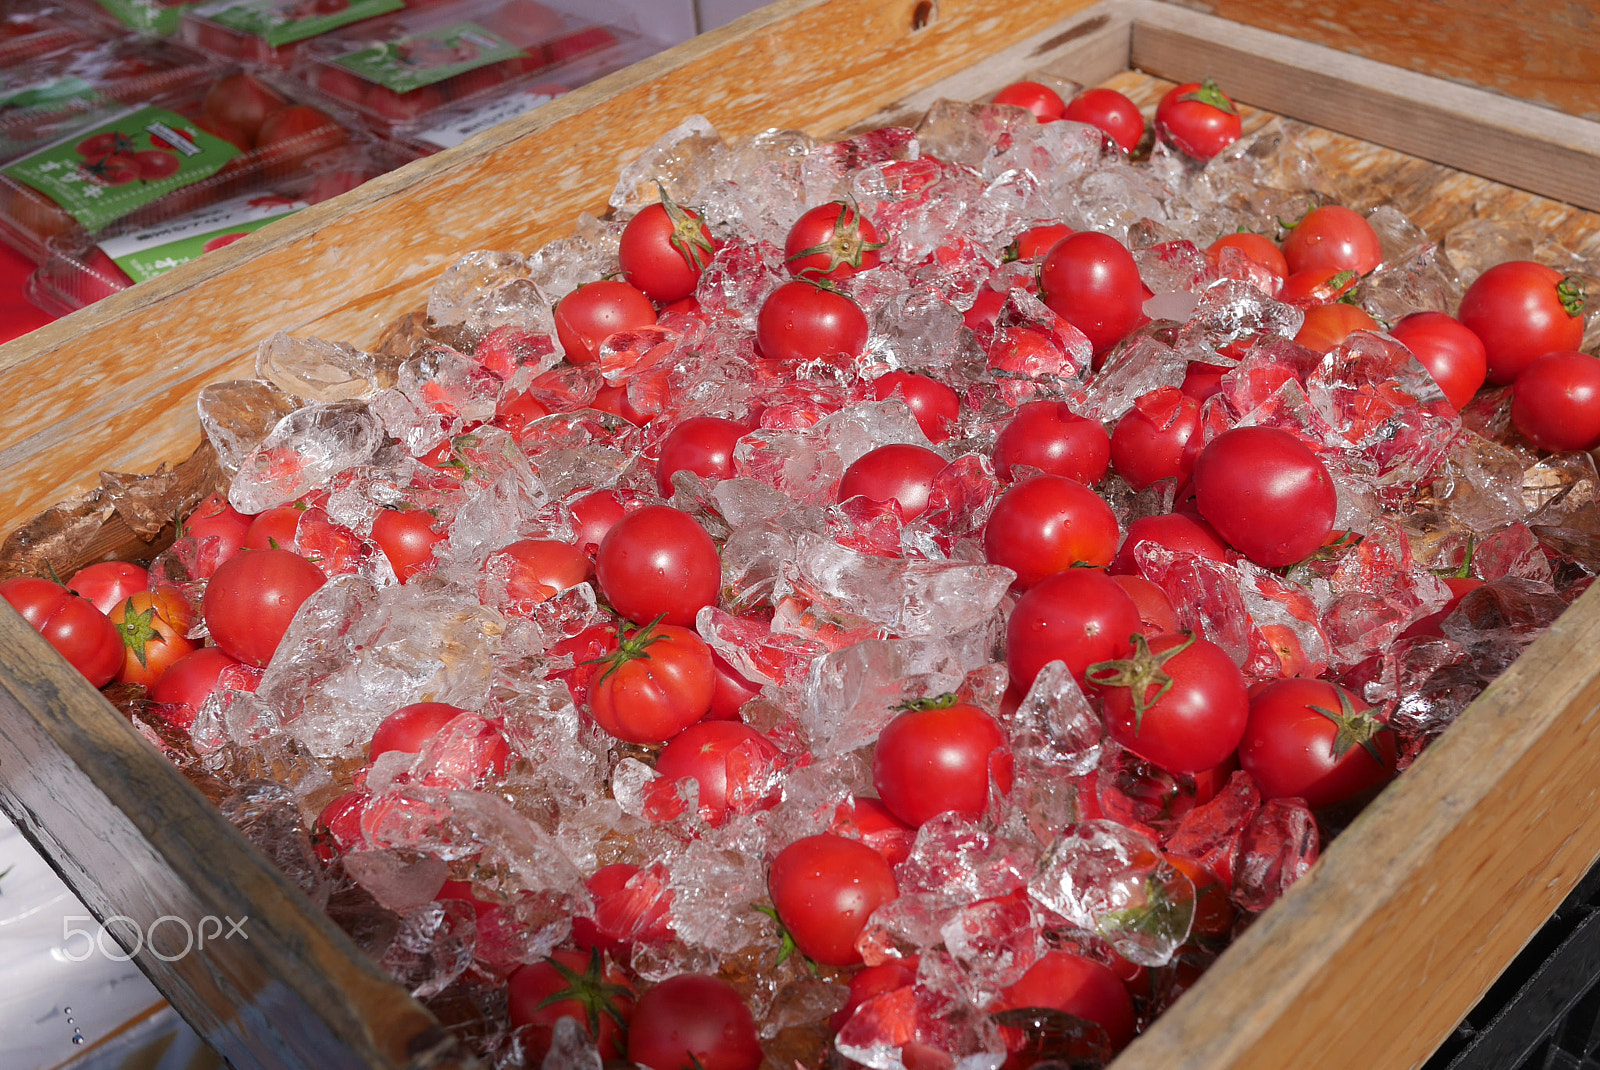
104	174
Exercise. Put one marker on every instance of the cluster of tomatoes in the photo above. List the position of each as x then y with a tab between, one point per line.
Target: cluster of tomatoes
1160	678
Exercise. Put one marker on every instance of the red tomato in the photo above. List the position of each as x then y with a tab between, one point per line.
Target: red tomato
291	136
78	631
1112	112
1555	402
702	445
109	583
936	407
899	473
801	321
1091	281
832	241
1052	438
537	569
630	906
595	311
338	826
1079	617
1156	614
407	539
190	680
1265	493
1521	311
1257	247
593	515
1329	325
1198	118
1319	286
980	317
1034	242
1333	238
1453	355
937	759
1045	103
1213	912
569	984
273	529
399	107
1175	531
731	762
1049	523
1200	381
870	821
1159	438
657	682
824	888
251	599
517	410
872	982
664	249
1179	702
693	1022
154	627
1079	986
1313	740
243	101
214	519
733	690
227	130
658	562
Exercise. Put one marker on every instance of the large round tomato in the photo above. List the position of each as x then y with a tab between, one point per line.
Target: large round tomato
109	583
1079	617
1091	281
658	682
1453	355
824	888
693	1022
1049	523
253	596
731	762
899	473
407	538
1115	115
1555	402
803	321
940	758
1266	493
1198	118
1335	238
1174	531
573	985
1159	438
702	445
664	250
1079	986
154	627
936	406
1052	438
1521	311
79	632
191	679
1316	741
832	241
594	312
658	562
1179	702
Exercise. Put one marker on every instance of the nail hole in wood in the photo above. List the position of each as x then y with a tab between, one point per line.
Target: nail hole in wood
923	14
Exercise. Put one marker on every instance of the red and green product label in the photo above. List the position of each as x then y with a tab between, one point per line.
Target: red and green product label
426	58
282	22
151	251
147	16
53	93
104	173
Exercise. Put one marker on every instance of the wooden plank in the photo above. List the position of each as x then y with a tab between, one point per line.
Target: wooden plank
516	186
133	838
1510	141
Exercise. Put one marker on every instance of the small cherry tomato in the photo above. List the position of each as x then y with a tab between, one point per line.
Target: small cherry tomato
664	249
940	757
154	627
1117	116
1091	281
693	1022
1265	493
1034	242
1049	523
1521	311
731	762
1178	701
79	632
1078	617
1257	247
253	596
595	311
569	984
824	888
1313	740
1327	326
1049	436
656	682
1174	531
702	445
1453	355
658	562
832	241
1555	402
109	583
407	538
1045	103
1159	438
900	473
937	408
1198	118
1335	238
1081	987
802	321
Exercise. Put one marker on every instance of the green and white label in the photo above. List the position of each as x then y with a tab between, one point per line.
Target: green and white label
52	93
453	132
282	22
151	251
147	16
104	173
426	58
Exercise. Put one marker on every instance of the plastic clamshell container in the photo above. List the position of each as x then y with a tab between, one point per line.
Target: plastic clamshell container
30	28
273	32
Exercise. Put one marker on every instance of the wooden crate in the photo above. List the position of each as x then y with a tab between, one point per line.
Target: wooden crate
1368	962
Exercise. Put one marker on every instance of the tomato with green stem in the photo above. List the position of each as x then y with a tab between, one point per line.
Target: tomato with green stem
657	681
832	241
824	888
1178	701
693	1022
1198	119
568	984
665	249
154	627
1315	740
940	755
1521	311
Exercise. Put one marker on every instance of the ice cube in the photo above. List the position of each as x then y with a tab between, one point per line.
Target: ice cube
237	414
314	369
305	450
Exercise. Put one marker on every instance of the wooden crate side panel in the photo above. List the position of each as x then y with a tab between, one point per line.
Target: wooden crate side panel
817	64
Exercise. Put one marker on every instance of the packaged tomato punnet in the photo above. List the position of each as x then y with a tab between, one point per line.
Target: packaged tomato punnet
903	600
32	28
272	32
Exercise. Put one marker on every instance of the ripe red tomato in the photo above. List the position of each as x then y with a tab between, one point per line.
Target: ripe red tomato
593	515
824	888
1033	243
1198	118
870	821
338	827
229	131
693	1022
1314	740
517	410
409	728
664	249
1453	355
291	136
899	473
1112	112
108	583
79	632
940	758
190	680
873	982
657	682
537	569
1334	238
1555	402
1521	311
1079	986
595	311
1049	523
733	690
658	562
1265	493
1079	617
1156	614
832	241
1091	281
407	539
1049	436
630	906
1201	381
937	407
569	984
251	599
1257	247
273	529
218	531
702	445
1159	438
1329	325
986	305
154	627
1320	286
1045	103
1179	702
801	321
1175	531
244	101
731	762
